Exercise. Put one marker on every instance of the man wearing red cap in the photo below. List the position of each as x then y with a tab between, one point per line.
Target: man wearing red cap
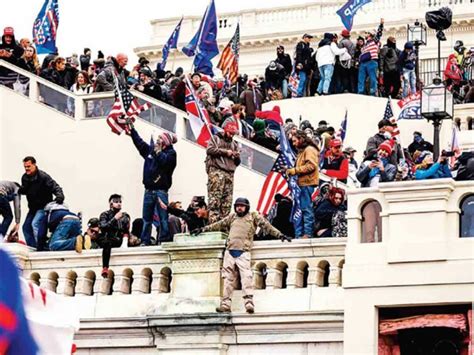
222	159
378	168
10	52
335	163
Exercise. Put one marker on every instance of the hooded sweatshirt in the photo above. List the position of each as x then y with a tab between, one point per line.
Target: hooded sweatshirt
328	50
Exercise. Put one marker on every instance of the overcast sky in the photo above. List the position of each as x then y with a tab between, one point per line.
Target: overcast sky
112	25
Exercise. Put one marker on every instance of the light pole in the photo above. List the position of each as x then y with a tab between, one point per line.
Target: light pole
436	105
416	34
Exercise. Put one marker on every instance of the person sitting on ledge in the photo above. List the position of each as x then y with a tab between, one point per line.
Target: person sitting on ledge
114	228
241	226
428	170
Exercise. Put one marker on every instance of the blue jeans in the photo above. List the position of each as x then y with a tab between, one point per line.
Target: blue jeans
34	229
284	88
306	205
368	69
64	237
6	213
409	79
302	84
326	72
150	203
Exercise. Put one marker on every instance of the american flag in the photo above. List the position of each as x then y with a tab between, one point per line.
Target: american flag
125	109
229	62
45	27
388	114
293	83
278	182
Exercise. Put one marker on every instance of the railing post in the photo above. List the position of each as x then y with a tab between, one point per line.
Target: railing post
34	90
79	108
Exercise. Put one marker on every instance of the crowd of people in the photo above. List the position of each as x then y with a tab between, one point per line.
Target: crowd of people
336	66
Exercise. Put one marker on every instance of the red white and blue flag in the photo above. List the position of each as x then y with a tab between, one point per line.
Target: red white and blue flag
293	83
341	134
45	28
198	116
125	109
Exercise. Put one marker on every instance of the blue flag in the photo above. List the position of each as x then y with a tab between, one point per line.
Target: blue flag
172	43
45	28
203	46
348	11
290	160
342	131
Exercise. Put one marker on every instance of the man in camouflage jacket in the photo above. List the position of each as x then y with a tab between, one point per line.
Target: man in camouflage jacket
241	227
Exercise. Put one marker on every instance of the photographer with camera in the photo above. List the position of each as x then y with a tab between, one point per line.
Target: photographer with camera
430	170
377	168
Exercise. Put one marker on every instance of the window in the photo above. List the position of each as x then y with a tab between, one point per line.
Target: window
466	222
371	222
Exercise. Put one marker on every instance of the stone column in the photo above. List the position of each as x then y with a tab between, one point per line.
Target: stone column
122	284
141	284
65	286
48	284
102	286
334	276
157	283
84	286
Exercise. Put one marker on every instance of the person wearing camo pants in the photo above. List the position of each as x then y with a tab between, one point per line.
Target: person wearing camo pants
222	159
240	226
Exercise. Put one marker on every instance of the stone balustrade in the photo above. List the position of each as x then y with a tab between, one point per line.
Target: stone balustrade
167	268
463	118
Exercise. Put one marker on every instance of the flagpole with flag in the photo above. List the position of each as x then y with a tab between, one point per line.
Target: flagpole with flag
203	46
45	28
229	61
170	44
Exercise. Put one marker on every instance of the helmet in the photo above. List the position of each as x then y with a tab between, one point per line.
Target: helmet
458	44
242	201
305	124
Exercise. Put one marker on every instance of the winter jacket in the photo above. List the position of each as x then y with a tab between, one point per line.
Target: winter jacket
327	54
9	191
153	90
407	60
158	168
274	78
349	45
465	166
111	228
241	230
363	174
217	157
285	60
105	79
303	55
421	146
373	144
13	48
39	190
436	171
324	212
452	71
273	115
389	59
85	61
336	167
191	219
265	141
306	167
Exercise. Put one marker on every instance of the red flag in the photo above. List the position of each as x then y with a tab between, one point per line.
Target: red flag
198	116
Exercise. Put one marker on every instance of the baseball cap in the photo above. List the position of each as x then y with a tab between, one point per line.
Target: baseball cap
384	122
306	35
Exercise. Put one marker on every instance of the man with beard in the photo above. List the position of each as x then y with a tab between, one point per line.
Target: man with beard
240	226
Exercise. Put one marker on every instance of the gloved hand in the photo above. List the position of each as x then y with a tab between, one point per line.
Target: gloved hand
285	237
196	232
59	200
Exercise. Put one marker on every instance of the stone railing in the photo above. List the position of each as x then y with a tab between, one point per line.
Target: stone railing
187	267
464	119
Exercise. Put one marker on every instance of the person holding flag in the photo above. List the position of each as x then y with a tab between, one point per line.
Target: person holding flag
306	169
159	165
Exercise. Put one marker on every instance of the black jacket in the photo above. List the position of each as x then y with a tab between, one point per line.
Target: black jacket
274	78
422	146
191	219
465	166
373	144
112	228
285	60
323	213
303	55
39	190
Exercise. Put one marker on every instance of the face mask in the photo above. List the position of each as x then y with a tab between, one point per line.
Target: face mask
418	139
387	135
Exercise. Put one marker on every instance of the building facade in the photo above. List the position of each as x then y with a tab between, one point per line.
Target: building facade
262	30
